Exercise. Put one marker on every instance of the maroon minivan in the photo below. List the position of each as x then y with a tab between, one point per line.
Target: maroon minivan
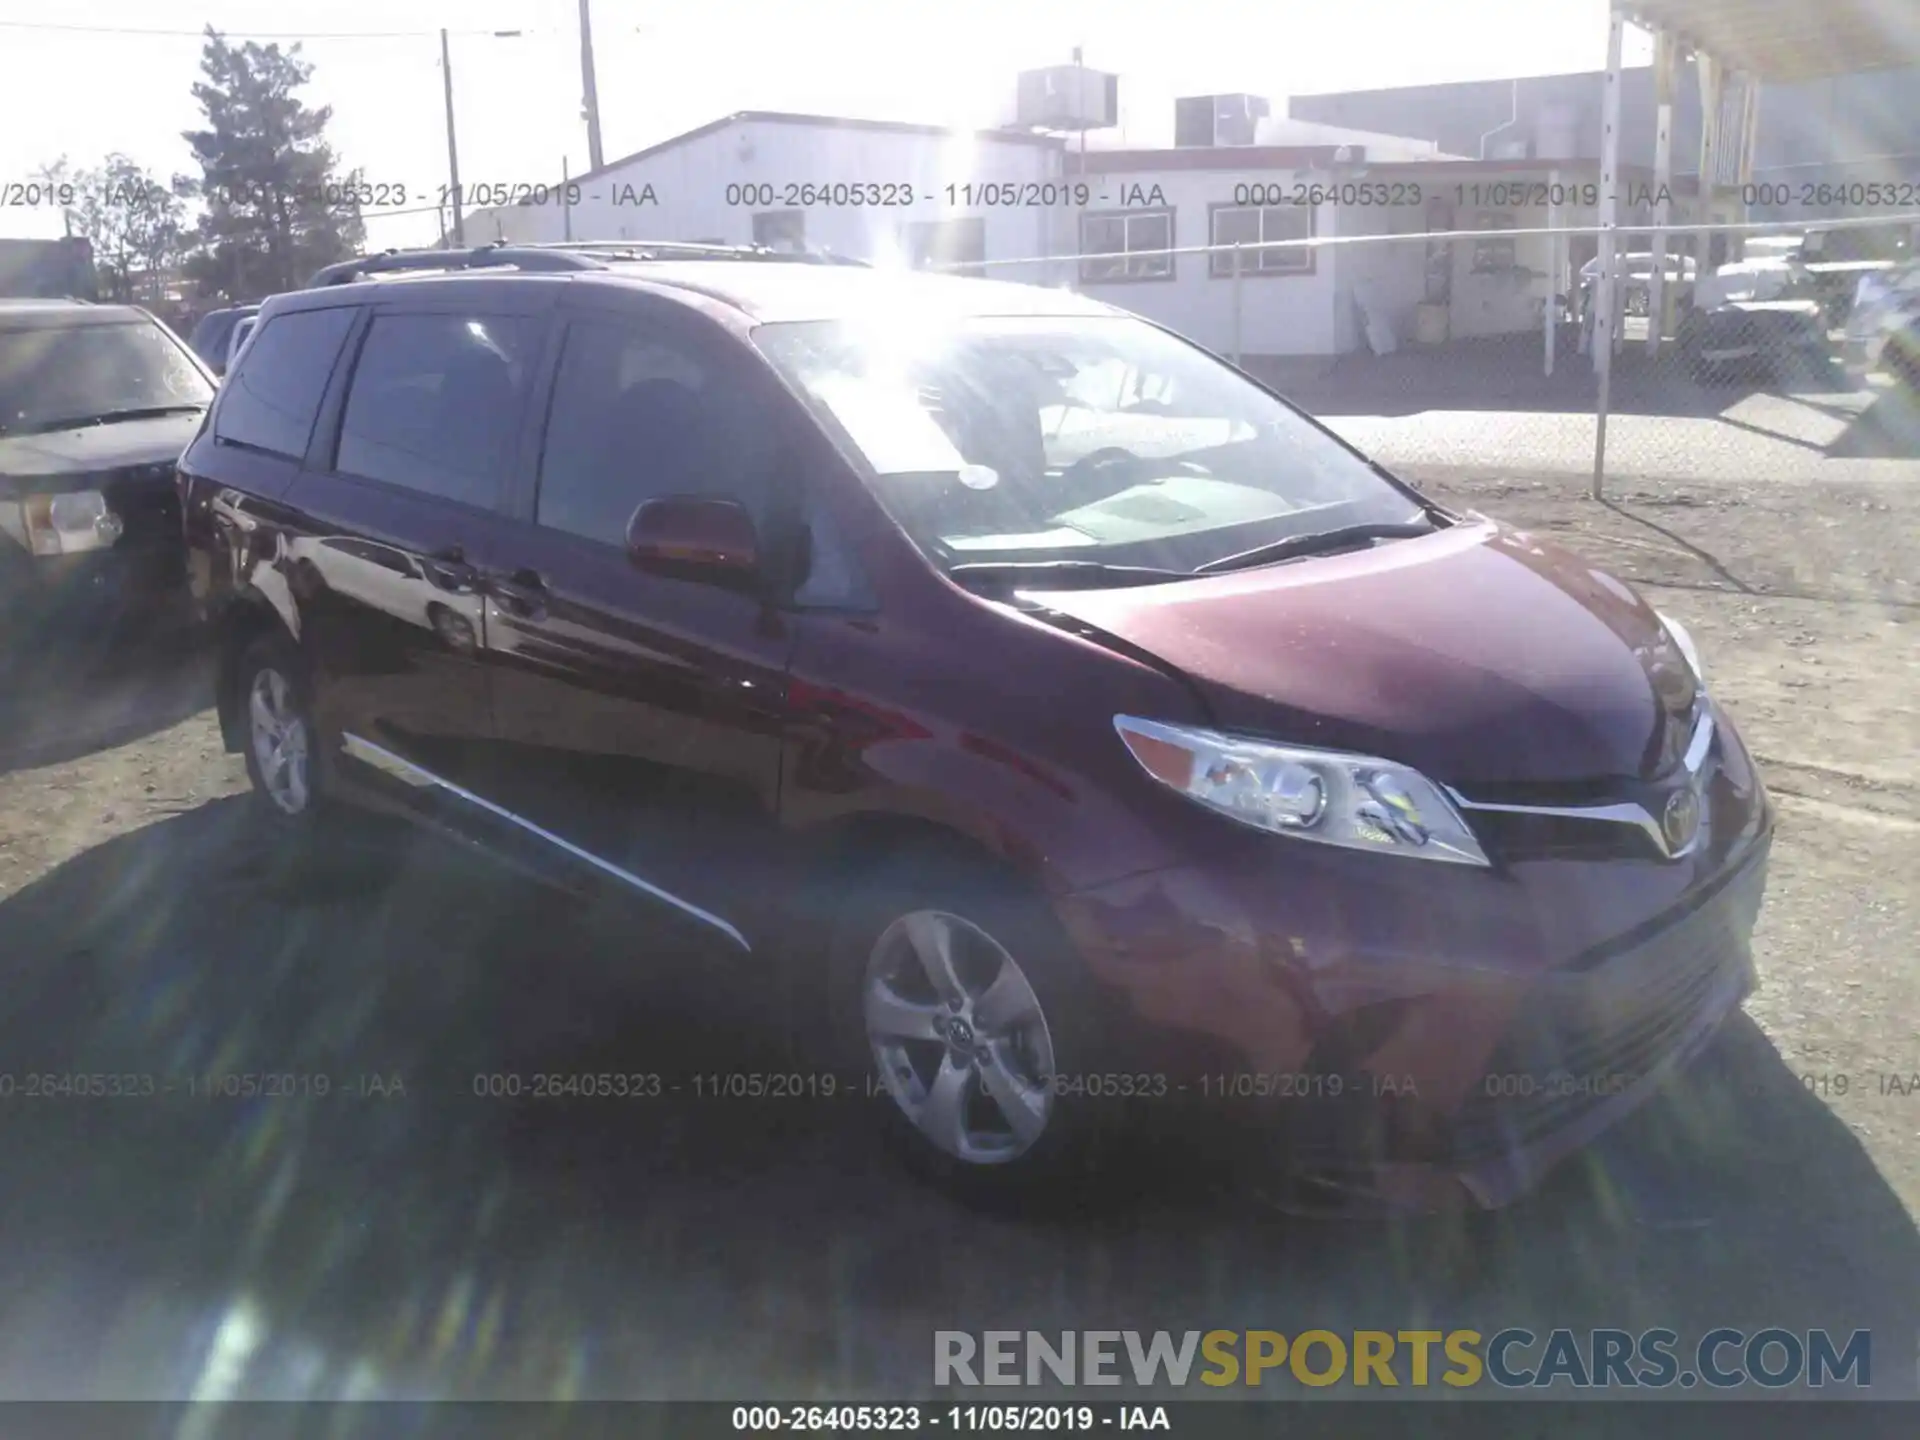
1065	719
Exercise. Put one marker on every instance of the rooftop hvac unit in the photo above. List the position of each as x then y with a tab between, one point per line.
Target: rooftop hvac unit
1209	120
1067	97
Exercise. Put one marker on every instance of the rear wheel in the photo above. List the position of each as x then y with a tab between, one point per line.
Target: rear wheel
1903	363
315	844
280	738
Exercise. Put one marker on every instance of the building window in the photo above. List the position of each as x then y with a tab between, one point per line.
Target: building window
1494	253
1120	237
957	246
1262	225
784	230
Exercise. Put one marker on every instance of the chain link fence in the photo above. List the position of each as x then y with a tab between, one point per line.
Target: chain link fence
1756	352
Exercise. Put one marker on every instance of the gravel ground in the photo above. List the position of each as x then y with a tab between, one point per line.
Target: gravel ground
434	1244
1812	645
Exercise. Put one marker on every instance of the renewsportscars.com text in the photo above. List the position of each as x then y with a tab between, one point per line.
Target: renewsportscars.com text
1512	1358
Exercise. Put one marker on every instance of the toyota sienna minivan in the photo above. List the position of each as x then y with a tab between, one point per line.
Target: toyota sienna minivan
1063	720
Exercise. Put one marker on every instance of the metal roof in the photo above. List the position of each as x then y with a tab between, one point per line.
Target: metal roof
819	122
1788	40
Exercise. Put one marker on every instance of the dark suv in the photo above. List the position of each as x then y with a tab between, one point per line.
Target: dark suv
212	338
96	403
1078	724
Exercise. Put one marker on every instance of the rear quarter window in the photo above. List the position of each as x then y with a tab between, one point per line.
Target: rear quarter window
271	399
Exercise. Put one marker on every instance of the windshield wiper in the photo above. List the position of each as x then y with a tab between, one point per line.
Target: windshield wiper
110	417
1059	574
1319	542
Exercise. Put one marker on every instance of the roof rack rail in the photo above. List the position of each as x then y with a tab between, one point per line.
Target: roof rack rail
690	250
559	255
480	257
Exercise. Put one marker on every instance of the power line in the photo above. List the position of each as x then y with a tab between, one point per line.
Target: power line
240	35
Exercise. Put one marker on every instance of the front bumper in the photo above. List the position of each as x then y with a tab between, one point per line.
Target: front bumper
1430	1041
1726	338
1588	1046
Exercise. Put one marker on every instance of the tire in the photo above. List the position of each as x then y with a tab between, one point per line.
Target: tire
271	689
308	838
320	848
1903	368
1041	1027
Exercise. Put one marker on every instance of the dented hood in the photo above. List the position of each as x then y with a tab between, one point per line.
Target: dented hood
1482	655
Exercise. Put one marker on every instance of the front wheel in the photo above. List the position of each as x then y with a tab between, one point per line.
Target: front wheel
960	995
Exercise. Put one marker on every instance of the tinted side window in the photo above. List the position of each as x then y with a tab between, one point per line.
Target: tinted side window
435	403
636	415
270	402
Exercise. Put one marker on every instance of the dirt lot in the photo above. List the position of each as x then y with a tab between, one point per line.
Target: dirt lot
1803	602
435	1244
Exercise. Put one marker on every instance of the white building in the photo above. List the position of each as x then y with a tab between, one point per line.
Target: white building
916	194
868	188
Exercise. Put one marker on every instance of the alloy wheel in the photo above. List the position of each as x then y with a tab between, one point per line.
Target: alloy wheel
959	1038
279	735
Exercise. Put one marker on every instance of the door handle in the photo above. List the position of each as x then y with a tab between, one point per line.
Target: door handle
449	569
523	593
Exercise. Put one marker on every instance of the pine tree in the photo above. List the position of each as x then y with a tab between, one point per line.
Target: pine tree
275	210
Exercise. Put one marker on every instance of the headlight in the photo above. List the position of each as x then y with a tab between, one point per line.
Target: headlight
70	522
1683	642
1355	801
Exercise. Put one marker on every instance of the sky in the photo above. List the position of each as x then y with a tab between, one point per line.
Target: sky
81	81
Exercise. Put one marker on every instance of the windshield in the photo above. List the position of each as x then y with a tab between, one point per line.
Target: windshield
1087	438
51	378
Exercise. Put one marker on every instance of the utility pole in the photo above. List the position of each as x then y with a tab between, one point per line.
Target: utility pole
453	150
589	90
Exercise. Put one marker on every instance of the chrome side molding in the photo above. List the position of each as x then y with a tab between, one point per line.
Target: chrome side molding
420	777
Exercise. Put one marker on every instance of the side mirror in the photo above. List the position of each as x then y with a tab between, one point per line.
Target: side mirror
692	537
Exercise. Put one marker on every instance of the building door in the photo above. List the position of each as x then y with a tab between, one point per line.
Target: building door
783	230
1439	286
956	246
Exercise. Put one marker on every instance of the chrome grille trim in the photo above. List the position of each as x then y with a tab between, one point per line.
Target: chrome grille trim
1699	748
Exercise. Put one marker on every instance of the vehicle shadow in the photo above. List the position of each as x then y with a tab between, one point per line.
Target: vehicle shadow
1705	557
411	1234
61	699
